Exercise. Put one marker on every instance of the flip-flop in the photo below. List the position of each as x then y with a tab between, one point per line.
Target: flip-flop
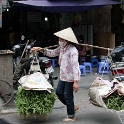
68	119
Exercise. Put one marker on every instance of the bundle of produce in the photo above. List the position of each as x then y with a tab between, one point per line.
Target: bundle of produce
107	94
98	89
114	101
34	103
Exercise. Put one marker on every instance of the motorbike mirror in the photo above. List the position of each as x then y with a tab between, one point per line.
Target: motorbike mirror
32	43
22	37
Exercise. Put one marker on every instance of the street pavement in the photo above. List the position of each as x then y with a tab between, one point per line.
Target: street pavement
87	113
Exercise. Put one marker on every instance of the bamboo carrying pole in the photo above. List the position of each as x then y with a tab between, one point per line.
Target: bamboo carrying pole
51	46
83	45
96	46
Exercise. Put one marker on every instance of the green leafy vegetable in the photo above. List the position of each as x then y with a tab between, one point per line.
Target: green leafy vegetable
30	102
114	101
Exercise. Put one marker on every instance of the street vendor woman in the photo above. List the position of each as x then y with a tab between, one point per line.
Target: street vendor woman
69	69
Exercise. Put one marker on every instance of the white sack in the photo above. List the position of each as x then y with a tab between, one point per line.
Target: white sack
96	93
35	81
98	89
120	88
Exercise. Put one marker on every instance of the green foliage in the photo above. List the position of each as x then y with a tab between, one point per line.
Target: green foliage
115	102
30	102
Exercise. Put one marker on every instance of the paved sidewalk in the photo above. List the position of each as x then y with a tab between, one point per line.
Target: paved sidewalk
87	114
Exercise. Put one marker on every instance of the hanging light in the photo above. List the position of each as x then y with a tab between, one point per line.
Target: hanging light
46	19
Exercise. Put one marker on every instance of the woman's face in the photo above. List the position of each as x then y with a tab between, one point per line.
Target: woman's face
63	42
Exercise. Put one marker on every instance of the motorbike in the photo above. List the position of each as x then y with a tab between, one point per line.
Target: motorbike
17	49
31	63
117	71
117	63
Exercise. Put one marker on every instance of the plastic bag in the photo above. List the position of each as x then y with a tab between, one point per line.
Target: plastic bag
35	81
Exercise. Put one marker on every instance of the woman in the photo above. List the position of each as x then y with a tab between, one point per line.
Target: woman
69	69
82	49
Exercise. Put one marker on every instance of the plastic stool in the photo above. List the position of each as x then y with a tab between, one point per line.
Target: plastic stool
82	60
88	66
94	62
54	62
103	67
103	60
83	70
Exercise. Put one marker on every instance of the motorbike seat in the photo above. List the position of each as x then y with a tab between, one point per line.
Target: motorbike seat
25	60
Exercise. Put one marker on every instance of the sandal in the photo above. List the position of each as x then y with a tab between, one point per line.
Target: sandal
76	108
68	119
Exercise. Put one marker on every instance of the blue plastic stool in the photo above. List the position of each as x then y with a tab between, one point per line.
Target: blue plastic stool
103	60
94	62
103	67
82	60
54	62
88	66
83	70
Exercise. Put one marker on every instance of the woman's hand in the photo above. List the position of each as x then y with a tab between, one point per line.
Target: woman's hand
75	86
36	49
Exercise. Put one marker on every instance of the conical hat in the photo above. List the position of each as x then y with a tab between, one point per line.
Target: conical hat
67	34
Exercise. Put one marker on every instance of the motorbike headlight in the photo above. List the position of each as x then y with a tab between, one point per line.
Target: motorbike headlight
16	46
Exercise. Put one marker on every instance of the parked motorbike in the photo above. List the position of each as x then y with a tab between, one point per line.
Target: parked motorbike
17	49
117	63
31	62
117	71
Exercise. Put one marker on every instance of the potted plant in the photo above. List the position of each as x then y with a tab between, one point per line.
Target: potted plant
34	104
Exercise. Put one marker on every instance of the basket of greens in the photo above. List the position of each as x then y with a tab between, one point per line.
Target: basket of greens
34	104
114	101
109	95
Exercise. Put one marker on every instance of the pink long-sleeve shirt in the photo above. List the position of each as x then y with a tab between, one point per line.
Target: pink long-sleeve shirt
68	61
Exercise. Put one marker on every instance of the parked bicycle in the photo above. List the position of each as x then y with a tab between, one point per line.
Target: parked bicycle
6	91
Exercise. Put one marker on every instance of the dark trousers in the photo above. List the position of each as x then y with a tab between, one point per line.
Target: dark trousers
64	92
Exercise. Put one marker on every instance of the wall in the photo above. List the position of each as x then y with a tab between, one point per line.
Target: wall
103	40
78	22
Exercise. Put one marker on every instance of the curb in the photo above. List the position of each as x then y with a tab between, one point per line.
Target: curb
8	111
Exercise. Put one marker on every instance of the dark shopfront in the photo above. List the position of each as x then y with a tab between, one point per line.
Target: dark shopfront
85	22
28	21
